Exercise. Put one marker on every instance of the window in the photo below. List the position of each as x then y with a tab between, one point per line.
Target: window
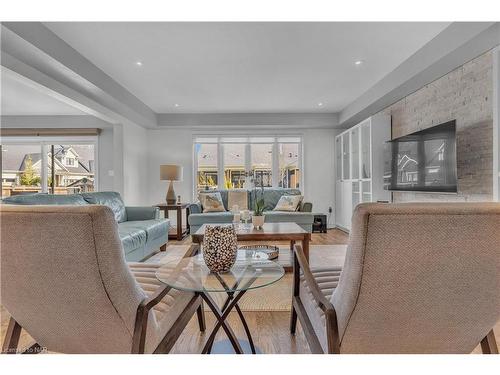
234	165
74	167
243	162
206	160
289	172
35	165
21	169
262	164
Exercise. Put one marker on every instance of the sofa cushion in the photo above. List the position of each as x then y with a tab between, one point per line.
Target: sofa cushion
288	203
212	202
154	228
108	198
271	196
223	194
289	217
210	218
133	236
237	197
45	199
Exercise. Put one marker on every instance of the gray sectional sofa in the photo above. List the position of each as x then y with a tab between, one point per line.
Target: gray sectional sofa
141	230
303	217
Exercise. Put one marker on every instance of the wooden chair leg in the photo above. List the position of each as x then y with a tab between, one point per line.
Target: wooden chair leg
295	288
489	344
293	321
11	337
201	317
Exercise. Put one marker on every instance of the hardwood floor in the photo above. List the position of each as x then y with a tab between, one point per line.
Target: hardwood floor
269	329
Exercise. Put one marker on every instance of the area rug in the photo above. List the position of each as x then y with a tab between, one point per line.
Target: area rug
276	297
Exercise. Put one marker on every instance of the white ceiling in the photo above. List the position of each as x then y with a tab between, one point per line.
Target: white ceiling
20	98
246	67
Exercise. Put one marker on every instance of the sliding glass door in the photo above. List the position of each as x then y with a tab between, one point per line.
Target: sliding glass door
71	168
57	166
21	169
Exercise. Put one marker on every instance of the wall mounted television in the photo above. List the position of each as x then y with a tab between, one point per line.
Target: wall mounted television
423	161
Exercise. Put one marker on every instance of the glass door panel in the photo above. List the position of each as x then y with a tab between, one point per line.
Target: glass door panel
346	157
21	169
366	152
338	158
366	191
355	154
74	168
355	194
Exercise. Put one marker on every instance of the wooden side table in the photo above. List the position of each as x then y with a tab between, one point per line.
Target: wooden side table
181	232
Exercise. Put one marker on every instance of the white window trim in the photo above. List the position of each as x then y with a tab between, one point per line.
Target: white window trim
45	142
220	156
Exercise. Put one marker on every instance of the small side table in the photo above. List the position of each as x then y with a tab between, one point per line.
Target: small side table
181	232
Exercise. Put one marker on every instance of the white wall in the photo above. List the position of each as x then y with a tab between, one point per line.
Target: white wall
175	146
106	160
135	165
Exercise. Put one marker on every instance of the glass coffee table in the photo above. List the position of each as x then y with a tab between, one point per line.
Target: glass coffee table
252	270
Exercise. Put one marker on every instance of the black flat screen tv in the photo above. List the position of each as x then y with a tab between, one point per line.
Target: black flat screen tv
423	161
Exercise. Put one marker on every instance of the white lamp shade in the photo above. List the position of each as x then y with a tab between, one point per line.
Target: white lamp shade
171	172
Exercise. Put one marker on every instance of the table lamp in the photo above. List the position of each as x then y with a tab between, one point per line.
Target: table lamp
171	172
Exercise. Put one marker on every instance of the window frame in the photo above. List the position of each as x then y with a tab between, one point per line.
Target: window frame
47	141
248	140
66	162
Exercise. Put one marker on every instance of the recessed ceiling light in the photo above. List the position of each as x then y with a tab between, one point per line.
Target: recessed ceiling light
176	105
320	104
138	63
358	62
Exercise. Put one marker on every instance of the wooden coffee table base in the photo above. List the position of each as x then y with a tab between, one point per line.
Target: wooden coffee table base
221	315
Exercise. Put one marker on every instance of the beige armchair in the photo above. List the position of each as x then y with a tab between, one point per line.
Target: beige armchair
65	281
418	278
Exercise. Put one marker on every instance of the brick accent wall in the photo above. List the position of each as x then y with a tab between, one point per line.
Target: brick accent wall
465	94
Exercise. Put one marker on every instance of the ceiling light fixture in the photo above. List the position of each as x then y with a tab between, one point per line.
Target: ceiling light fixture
138	63
320	104
358	62
176	105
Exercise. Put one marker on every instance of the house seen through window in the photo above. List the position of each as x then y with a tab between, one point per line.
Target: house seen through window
36	167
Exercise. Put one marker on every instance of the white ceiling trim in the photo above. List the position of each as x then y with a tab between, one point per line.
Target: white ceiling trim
250	120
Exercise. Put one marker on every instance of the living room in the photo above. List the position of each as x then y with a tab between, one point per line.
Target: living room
250	187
